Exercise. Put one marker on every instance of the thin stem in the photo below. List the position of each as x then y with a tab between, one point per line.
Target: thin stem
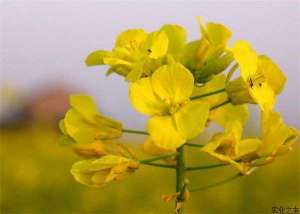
160	165
231	72
135	131
217	183
220	105
157	158
193	145
208	94
180	168
192	168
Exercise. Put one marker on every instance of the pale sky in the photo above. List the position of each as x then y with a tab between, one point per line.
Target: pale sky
44	42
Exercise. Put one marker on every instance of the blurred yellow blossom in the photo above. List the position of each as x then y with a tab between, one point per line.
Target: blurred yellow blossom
101	171
83	123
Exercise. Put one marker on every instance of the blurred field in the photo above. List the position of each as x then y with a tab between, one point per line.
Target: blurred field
35	178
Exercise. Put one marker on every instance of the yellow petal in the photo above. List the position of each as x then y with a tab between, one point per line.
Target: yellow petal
163	131
263	95
218	34
151	148
229	113
78	128
85	105
143	98
273	74
90	150
159	46
177	38
113	61
173	83
132	38
247	146
246	58
191	118
274	133
135	73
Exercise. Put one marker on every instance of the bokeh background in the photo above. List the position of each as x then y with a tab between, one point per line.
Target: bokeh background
43	47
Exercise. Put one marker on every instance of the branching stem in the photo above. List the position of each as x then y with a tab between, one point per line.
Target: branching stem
208	94
157	158
217	183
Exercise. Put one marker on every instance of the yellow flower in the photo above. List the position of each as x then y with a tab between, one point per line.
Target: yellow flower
209	55
227	113
165	96
229	148
83	123
101	171
138	54
261	79
276	136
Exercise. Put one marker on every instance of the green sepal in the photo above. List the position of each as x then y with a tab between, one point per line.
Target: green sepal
96	57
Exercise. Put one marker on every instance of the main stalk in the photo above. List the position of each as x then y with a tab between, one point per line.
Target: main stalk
180	168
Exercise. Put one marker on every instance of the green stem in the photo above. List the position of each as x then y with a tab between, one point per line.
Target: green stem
135	131
217	183
193	145
192	168
220	105
160	165
157	158
180	168
208	94
231	72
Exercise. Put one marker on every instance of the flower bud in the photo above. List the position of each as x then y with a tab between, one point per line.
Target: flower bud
238	92
101	171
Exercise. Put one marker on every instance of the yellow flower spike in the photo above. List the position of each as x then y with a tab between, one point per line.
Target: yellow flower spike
263	79
275	135
85	124
165	96
101	171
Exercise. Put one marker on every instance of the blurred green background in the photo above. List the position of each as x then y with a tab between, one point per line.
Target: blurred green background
35	178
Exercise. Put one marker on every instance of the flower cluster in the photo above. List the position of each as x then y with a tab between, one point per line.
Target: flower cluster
183	87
